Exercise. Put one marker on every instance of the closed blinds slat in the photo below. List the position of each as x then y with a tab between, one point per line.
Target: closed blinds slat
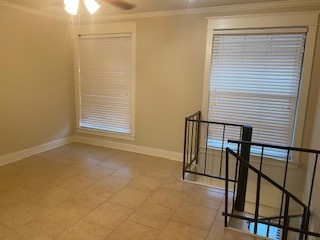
105	67
254	79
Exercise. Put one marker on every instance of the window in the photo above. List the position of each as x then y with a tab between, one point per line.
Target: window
255	80
106	86
256	76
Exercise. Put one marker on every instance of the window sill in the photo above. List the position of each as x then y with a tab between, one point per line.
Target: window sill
106	134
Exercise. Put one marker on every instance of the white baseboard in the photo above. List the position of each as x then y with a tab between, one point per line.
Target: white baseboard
129	147
16	156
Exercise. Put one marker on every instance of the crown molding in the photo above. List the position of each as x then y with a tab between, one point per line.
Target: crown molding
217	9
241	16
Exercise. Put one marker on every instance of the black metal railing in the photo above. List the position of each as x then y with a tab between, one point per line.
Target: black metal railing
293	214
205	143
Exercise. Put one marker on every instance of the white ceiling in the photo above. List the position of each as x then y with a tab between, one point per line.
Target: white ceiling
141	5
55	7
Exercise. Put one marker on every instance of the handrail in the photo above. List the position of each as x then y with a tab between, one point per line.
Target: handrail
282	221
193	115
212	122
190	118
312	153
273	224
229	150
198	146
277	217
275	146
201	141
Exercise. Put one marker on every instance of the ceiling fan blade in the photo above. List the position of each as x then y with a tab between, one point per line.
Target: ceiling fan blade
121	4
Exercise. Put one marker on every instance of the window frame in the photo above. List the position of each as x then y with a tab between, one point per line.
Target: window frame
246	23
100	29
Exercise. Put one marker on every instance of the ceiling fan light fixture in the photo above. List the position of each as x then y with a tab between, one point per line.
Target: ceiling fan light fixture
71	6
91	5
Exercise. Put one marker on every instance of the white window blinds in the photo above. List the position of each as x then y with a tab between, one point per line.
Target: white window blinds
255	80
105	83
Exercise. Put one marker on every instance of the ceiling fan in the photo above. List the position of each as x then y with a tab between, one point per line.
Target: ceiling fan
71	6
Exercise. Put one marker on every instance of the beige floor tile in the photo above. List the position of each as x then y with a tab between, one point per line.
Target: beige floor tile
8	170
51	197
83	162
77	183
71	151
21	214
59	150
34	230
212	189
147	158
144	183
143	162
99	193
168	164
9	182
178	185
152	216
195	215
4	231
35	171
158	173
90	197
167	198
52	160
219	216
128	172
64	215
49	153
113	163
40	182
180	231
15	195
177	174
64	171
84	230
101	153
111	184
109	215
124	155
46	165
96	172
27	162
205	198
133	231
219	232
129	197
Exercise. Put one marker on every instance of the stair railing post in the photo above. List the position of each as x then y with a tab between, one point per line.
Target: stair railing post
198	136
185	149
243	170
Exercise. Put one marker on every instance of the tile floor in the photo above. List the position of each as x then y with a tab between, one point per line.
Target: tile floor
85	192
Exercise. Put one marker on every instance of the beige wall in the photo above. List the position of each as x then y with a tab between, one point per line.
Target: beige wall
312	136
170	66
36	76
170	57
170	75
